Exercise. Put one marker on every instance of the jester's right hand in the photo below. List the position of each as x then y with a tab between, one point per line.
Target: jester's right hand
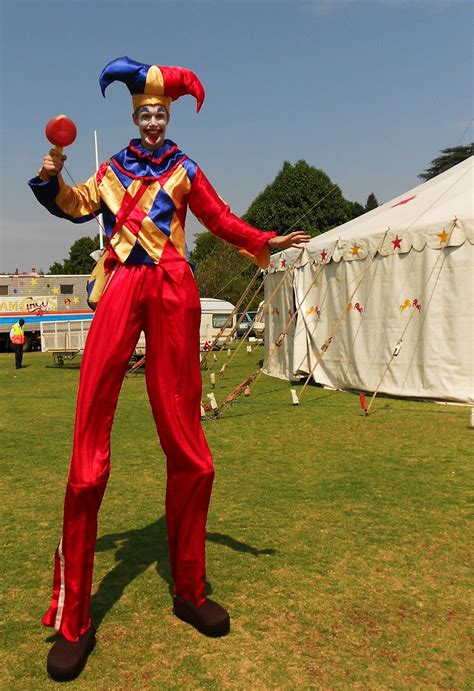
53	163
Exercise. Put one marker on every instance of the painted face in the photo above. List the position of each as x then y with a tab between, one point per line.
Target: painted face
151	121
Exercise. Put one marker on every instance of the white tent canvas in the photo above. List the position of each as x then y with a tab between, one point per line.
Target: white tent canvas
398	279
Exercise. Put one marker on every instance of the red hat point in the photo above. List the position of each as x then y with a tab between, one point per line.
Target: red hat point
61	131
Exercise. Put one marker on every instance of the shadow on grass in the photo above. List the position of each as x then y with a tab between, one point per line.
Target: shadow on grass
139	549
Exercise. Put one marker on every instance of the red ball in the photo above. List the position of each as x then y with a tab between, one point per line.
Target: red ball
61	131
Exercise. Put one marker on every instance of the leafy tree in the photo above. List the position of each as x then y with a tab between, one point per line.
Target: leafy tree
204	244
371	202
220	270
301	198
356	209
282	205
449	157
79	261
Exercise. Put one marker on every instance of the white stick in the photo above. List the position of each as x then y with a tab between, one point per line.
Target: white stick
212	377
212	400
294	397
101	223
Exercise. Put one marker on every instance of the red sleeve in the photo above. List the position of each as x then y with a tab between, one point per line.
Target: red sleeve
217	217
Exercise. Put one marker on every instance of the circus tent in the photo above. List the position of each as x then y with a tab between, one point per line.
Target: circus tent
384	302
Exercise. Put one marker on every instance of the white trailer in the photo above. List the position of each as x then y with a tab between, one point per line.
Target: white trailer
215	314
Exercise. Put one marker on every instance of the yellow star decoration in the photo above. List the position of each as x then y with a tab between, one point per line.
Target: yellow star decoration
34	281
55	290
75	299
443	236
355	250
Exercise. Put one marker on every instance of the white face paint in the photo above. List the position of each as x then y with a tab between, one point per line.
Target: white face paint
151	121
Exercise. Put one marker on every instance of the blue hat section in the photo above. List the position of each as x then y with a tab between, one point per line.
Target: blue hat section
130	72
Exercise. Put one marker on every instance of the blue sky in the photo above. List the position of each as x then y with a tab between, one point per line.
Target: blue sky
367	90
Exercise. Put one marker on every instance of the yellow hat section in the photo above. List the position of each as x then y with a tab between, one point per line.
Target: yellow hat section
154	91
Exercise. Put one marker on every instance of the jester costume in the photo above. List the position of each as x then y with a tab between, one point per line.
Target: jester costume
143	196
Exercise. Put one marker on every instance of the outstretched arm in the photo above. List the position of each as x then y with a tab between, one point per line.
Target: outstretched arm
77	204
217	217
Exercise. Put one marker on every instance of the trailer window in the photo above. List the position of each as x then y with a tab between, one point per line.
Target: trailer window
218	320
67	289
3	290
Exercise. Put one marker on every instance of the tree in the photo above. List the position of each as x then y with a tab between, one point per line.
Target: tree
286	203
301	197
371	202
204	244
220	271
356	209
449	158
79	261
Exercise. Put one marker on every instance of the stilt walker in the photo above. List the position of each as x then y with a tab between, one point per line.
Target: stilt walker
142	282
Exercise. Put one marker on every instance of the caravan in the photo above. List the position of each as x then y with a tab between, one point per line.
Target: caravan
215	315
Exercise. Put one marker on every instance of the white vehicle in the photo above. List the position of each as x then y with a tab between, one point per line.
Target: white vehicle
215	314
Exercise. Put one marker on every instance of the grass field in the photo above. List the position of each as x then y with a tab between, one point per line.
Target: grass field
339	544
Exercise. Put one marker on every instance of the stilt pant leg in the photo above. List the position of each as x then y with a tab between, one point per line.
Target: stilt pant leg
113	335
173	377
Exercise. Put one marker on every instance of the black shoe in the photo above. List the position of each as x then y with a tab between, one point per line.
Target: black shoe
66	660
209	618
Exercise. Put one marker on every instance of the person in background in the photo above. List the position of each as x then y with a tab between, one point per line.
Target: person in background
17	337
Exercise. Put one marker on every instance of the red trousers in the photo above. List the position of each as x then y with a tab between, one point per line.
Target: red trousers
162	300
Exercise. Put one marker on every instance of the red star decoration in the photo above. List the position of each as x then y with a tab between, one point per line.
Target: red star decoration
396	242
404	201
283	263
324	254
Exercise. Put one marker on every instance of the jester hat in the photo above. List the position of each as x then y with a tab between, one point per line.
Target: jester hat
152	84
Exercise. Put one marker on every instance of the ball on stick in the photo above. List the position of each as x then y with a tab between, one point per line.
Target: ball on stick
60	131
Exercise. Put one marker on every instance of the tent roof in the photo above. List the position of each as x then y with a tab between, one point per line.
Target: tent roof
437	213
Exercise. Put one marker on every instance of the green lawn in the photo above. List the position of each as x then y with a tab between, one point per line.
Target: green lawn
339	543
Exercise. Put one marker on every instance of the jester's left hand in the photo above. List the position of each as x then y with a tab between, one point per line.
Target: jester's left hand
280	242
283	242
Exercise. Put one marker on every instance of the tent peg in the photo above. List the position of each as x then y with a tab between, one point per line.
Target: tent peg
294	397
212	400
363	402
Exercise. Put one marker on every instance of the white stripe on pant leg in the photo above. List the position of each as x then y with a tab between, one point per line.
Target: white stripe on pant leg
62	589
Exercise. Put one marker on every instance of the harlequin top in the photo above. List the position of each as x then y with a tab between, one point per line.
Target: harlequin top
143	197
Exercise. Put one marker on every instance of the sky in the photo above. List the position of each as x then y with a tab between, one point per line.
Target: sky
367	90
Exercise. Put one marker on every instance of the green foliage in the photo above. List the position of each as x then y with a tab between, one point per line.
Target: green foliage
286	203
449	157
356	209
220	271
79	261
204	244
301	198
371	202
